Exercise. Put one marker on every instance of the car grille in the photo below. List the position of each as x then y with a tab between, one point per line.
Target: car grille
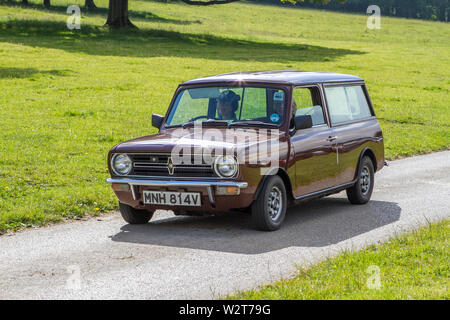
146	164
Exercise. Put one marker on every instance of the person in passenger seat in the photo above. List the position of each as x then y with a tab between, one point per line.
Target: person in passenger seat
279	110
293	111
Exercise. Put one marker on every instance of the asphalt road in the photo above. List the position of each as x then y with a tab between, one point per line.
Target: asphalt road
207	257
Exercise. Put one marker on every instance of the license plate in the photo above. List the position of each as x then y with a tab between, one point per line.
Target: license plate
172	198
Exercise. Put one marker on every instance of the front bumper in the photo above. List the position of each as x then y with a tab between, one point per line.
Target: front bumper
177	183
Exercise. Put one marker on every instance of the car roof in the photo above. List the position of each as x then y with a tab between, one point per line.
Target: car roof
289	77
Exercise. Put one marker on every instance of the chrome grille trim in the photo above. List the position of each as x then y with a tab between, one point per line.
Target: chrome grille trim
147	165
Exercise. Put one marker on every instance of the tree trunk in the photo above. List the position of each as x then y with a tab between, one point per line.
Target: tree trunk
25	2
118	14
443	13
90	4
47	3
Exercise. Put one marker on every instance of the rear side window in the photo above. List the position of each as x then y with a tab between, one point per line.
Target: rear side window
347	103
307	101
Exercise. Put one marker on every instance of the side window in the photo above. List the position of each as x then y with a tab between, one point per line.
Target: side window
347	103
307	102
357	102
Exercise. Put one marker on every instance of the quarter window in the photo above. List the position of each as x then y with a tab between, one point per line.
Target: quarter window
307	102
347	103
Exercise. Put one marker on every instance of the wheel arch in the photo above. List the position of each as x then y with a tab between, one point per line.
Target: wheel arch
369	153
283	175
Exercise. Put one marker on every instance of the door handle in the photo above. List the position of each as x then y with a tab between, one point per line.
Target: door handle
330	138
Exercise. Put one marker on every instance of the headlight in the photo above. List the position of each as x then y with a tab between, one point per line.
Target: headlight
225	166
121	164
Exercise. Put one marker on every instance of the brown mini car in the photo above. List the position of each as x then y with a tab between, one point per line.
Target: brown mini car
255	141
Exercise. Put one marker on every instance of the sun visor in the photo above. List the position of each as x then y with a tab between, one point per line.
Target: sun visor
204	93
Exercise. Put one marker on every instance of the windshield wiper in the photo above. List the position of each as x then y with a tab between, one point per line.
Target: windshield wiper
225	123
252	123
209	122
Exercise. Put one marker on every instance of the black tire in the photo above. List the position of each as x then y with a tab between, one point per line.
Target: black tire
134	216
361	191
268	216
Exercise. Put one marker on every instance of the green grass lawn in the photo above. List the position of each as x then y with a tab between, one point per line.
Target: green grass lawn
66	97
412	266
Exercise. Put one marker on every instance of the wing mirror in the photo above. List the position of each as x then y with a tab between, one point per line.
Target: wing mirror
157	120
303	122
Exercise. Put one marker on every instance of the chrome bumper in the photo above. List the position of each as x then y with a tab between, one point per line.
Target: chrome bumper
178	183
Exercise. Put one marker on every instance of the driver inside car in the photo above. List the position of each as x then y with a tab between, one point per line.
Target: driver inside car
227	105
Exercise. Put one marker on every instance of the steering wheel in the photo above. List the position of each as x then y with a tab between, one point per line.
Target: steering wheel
199	117
202	117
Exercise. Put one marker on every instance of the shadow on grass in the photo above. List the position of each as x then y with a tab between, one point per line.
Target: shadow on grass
103	12
28	72
101	41
316	223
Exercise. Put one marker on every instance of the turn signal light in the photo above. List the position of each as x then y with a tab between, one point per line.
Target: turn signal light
229	191
120	187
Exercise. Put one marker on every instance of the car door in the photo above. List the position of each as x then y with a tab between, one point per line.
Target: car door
315	159
353	126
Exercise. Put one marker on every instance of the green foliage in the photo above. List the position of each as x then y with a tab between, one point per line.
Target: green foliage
419	9
67	97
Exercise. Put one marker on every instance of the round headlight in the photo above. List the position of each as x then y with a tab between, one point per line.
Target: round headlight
121	164
225	166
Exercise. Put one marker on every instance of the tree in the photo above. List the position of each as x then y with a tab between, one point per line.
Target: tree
47	3
118	9
90	4
118	14
422	9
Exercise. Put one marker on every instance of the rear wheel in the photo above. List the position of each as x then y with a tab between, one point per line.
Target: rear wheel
134	216
361	191
269	209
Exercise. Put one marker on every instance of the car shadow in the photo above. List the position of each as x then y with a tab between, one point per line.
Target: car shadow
316	223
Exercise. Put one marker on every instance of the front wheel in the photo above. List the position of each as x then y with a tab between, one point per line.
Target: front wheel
134	216
269	208
361	191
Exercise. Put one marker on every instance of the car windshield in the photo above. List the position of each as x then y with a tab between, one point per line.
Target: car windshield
239	105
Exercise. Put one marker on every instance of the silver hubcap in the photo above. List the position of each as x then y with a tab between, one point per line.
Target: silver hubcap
275	203
364	180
